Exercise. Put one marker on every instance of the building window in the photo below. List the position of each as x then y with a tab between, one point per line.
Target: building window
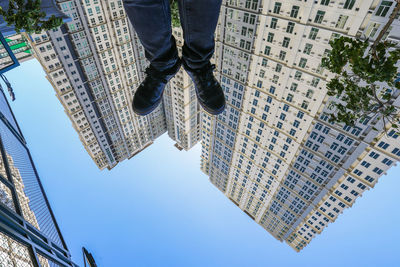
325	2
277	7
264	62
313	33
286	42
341	21
303	62
309	93
297	75
374	155
294	12
274	21
377	170
267	50
387	161
252	19
315	82
372	29
396	151
384	8
270	37
290	27
393	134
319	17
286	107
307	49
244	31
246	17
282	55
349	4
383	145
300	114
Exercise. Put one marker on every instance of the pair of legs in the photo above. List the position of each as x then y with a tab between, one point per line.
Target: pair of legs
152	22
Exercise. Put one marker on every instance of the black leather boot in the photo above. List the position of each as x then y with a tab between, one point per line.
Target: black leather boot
209	92
149	94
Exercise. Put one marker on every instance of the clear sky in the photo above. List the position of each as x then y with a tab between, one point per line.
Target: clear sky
159	209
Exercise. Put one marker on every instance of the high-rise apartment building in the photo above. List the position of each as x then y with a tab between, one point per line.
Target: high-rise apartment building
182	110
29	234
273	152
95	63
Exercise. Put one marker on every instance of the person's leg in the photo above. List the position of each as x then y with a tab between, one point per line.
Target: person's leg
152	22
198	19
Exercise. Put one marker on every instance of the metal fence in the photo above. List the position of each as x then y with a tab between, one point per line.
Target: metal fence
28	228
5	110
8	60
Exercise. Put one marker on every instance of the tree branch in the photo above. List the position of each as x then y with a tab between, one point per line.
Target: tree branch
385	29
381	104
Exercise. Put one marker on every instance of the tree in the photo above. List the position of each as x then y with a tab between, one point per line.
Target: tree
175	14
366	83
27	15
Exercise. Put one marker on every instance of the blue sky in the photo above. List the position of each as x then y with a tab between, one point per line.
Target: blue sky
159	209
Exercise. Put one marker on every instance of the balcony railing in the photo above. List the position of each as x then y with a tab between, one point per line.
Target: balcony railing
8	60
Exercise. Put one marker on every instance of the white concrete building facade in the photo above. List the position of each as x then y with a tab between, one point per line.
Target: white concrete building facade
273	152
95	63
182	111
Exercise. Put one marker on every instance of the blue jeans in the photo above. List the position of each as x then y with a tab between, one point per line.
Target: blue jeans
152	22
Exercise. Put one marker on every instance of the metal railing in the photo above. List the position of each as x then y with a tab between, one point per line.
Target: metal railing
8	60
28	230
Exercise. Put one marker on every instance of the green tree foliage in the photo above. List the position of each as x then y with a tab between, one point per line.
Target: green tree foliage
366	81
27	15
175	14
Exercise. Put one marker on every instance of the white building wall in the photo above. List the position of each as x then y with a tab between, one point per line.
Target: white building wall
100	64
181	107
273	152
